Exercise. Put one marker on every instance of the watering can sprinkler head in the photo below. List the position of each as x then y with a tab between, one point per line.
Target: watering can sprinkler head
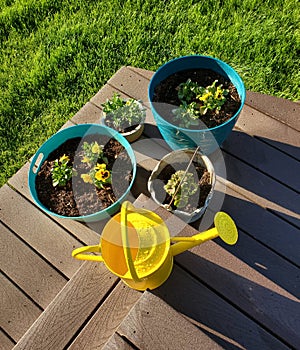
224	228
136	245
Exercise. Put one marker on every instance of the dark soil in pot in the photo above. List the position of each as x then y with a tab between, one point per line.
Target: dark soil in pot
78	198
198	199
166	92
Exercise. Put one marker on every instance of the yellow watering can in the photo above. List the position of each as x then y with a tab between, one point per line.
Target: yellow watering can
136	246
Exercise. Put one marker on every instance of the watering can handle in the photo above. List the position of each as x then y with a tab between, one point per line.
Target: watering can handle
80	253
125	239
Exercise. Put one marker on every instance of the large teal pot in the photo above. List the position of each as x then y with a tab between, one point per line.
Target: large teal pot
209	139
58	139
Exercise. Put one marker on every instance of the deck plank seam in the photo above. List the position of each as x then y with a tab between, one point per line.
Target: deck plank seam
138	73
92	313
47	215
265	141
261	139
35	251
268	247
280	216
22	291
230	302
285	258
272	116
8	336
259	170
126	340
235	189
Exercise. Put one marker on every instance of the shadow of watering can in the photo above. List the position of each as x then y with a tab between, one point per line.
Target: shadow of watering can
136	245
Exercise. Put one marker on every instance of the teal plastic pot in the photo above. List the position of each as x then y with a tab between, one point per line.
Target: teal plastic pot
58	139
209	139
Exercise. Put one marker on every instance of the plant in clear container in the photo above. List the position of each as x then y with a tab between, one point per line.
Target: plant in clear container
126	116
183	182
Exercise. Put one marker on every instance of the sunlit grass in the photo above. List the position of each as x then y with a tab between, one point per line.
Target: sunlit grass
55	55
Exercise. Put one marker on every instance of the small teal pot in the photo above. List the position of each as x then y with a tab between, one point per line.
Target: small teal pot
58	139
209	139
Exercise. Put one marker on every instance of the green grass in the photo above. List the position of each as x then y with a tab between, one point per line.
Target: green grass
55	55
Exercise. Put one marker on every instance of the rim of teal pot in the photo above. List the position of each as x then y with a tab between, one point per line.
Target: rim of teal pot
169	63
85	127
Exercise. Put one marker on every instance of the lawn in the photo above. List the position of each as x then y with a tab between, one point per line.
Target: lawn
55	55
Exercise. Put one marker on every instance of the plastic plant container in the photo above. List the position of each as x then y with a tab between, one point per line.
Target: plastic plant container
209	139
58	139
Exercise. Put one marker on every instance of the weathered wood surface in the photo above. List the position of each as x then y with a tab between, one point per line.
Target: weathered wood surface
153	324
56	327
244	296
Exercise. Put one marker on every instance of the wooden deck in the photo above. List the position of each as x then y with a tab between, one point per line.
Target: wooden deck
218	297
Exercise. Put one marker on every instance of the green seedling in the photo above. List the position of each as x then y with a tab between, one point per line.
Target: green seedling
61	171
92	153
123	113
188	187
196	101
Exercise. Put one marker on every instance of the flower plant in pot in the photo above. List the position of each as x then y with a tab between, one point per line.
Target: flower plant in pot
83	172
183	182
196	101
126	116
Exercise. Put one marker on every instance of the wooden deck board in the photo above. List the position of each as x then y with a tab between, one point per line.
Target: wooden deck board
5	342
265	261
30	272
269	130
226	325
39	231
260	297
264	158
56	327
262	189
277	108
107	318
18	312
273	231
152	323
89	113
134	84
116	343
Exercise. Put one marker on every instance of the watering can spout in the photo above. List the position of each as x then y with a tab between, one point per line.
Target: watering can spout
224	228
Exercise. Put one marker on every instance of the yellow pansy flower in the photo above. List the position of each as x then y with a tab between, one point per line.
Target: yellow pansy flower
85	159
100	166
218	94
87	178
102	175
205	96
64	158
96	148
